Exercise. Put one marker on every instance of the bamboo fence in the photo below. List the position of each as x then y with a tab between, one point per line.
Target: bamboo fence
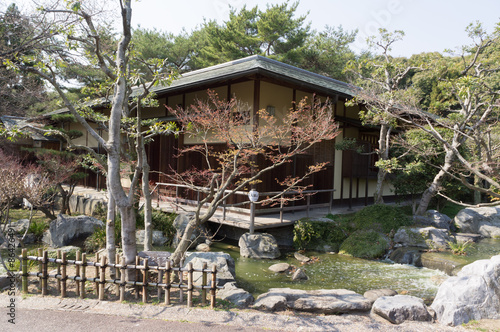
101	267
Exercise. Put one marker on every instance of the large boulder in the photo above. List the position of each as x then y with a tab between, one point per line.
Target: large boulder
400	308
158	238
259	245
66	230
484	221
322	301
237	296
472	295
435	219
224	262
180	223
365	243
423	237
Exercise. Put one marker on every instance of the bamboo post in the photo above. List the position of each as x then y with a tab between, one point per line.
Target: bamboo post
167	281
159	290
96	283
25	270
40	255
213	286
190	285
122	279
181	281
44	273
58	271
77	274
117	274
203	284
145	282
63	275
102	281
84	275
137	272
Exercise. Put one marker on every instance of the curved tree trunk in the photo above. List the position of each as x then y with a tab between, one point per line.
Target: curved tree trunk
433	189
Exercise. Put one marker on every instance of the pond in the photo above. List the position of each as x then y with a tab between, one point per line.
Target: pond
334	271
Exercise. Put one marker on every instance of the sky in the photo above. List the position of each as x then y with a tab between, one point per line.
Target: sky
429	25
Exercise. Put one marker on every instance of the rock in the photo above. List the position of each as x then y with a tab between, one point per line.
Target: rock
10	279
400	308
271	303
158	238
484	221
66	230
237	296
203	247
301	258
426	237
321	301
472	295
464	237
19	226
69	250
374	294
449	264
280	267
435	219
155	258
406	255
299	275
225	265
258	245
11	240
180	223
30	238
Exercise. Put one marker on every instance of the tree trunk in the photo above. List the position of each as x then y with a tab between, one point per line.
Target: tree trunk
129	247
433	189
383	154
110	232
185	241
148	224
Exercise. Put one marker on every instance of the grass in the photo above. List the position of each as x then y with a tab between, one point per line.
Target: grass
460	247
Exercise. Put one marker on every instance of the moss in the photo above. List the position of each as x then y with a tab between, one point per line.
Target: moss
364	244
382	218
311	234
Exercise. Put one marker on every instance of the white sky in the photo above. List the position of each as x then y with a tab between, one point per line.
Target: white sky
429	25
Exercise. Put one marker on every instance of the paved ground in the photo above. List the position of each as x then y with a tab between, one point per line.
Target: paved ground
36	313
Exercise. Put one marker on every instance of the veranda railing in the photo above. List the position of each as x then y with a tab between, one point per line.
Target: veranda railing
100	267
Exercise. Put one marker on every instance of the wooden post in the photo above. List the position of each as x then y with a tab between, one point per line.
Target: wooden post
281	207
63	275
25	270
84	275
167	281
181	281
190	285
58	271
117	274
123	273
159	290
96	283
44	273
252	217
40	255
145	282
213	286
77	273
102	281
137	272
203	284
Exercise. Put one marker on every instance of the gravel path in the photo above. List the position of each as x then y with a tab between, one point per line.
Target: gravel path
247	319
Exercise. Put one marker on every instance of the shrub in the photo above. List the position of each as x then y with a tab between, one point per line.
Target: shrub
364	244
311	234
38	228
162	221
382	218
